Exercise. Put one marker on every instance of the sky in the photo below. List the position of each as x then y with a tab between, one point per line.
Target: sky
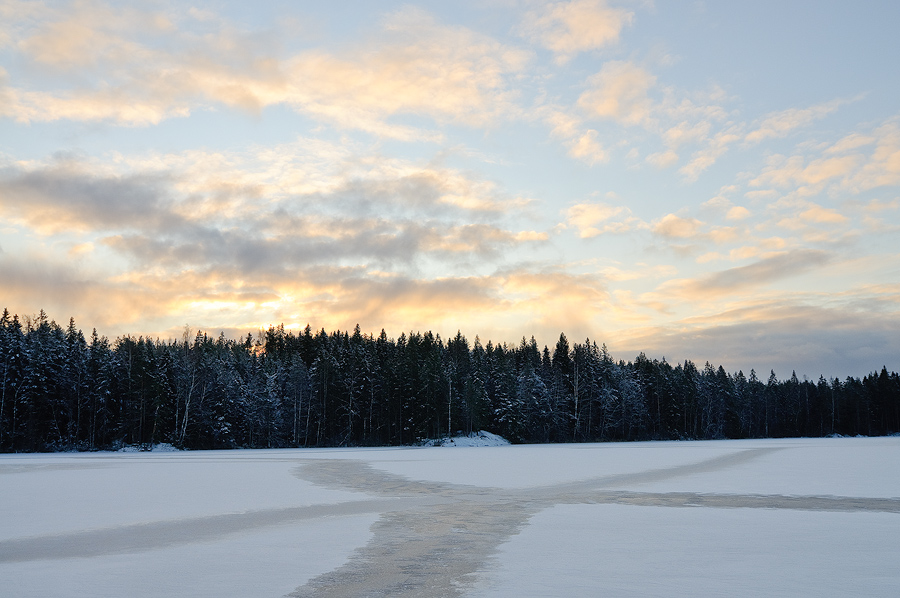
714	181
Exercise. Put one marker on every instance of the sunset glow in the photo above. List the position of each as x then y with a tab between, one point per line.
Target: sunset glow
709	181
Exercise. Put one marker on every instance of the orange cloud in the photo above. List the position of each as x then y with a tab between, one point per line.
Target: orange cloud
592	219
587	148
738	213
823	215
675	227
500	307
448	73
568	28
794	171
619	92
883	167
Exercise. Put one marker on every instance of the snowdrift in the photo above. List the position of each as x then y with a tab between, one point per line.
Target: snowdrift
480	438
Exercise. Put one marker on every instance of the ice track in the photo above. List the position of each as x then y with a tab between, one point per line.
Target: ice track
771	518
436	548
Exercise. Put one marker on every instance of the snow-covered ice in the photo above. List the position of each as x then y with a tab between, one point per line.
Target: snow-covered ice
633	551
817	517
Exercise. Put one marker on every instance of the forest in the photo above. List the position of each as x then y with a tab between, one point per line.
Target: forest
62	391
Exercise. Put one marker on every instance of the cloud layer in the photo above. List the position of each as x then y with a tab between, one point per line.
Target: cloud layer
507	171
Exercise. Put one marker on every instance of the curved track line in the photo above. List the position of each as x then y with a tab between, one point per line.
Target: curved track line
435	551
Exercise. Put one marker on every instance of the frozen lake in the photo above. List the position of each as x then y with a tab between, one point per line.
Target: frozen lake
794	517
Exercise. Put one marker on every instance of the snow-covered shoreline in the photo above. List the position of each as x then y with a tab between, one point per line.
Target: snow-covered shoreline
649	518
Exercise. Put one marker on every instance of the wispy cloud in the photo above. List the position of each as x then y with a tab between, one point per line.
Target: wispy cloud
704	158
153	69
780	124
587	148
733	280
569	28
619	92
883	165
775	334
675	227
794	171
627	95
593	219
520	168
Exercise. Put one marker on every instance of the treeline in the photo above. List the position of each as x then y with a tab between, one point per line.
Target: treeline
62	391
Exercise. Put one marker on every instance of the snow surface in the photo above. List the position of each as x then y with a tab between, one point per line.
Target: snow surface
71	491
624	551
534	465
557	520
867	467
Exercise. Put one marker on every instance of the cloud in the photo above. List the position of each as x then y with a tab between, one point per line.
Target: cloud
812	223
593	219
587	148
159	192
671	226
226	235
820	215
745	252
568	28
498	306
883	166
543	301
334	269
62	197
782	265
137	68
857	163
738	213
447	73
629	95
619	92
134	67
852	334
247	253
795	171
82	35
341	229
673	229
762	194
687	132
763	272
531	235
63	289
112	105
779	124
563	124
850	142
398	303
550	300
875	206
706	157
663	159
781	335
582	144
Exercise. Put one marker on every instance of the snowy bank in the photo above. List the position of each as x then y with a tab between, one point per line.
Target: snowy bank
480	438
161	447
